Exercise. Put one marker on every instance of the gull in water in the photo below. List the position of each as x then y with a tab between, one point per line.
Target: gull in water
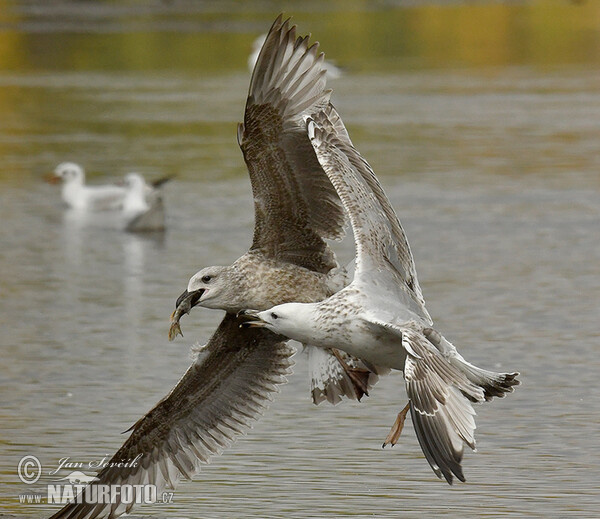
381	316
77	195
236	373
143	208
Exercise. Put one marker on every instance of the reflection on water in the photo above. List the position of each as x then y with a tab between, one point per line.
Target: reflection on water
482	122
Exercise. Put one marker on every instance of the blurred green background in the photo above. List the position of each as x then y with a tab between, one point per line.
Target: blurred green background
80	78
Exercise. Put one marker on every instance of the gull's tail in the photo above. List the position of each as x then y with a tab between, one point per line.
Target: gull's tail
493	384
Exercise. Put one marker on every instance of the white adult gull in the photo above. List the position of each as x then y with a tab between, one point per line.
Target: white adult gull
236	373
77	195
381	315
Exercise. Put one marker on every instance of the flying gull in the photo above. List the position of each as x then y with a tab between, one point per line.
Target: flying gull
381	315
296	209
235	374
77	195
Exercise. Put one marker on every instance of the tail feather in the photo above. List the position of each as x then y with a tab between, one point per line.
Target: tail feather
493	384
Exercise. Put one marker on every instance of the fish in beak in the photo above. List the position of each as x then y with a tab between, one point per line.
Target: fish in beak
250	319
185	302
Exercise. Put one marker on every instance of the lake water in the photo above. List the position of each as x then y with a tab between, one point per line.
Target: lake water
483	123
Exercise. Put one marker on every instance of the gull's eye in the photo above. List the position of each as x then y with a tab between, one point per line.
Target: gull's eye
274	315
206	279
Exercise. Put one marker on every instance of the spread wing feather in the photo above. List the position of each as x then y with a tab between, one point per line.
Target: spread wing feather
381	243
296	207
330	382
220	396
440	407
440	400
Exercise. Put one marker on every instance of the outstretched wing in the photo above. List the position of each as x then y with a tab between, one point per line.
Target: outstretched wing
296	207
440	400
440	405
222	393
382	249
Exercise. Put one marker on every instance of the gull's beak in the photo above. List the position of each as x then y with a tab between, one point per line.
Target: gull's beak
185	302
250	319
188	300
52	178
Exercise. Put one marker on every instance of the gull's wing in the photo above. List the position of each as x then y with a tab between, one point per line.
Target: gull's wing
441	412
103	198
162	180
295	205
440	399
382	250
151	220
223	392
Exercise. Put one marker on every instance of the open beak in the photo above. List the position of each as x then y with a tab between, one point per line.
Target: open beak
185	302
188	300
250	319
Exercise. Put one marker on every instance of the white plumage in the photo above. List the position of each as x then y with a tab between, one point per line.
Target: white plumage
77	195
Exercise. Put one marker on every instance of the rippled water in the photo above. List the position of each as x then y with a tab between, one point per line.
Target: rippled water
491	160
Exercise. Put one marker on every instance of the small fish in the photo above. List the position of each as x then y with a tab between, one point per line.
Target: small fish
174	329
185	302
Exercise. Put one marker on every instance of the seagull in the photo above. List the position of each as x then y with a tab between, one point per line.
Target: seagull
77	195
381	316
143	208
296	209
234	376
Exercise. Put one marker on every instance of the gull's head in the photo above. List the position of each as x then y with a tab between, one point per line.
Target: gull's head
135	182
293	320
211	287
69	172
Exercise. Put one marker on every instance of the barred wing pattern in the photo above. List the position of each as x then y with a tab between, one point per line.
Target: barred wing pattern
381	245
296	207
220	396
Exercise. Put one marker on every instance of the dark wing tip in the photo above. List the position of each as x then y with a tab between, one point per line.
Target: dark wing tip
162	180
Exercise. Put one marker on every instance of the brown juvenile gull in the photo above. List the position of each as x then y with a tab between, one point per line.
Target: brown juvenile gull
235	375
381	315
296	208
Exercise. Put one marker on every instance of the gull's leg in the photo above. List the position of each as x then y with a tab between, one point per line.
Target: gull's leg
358	376
396	430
